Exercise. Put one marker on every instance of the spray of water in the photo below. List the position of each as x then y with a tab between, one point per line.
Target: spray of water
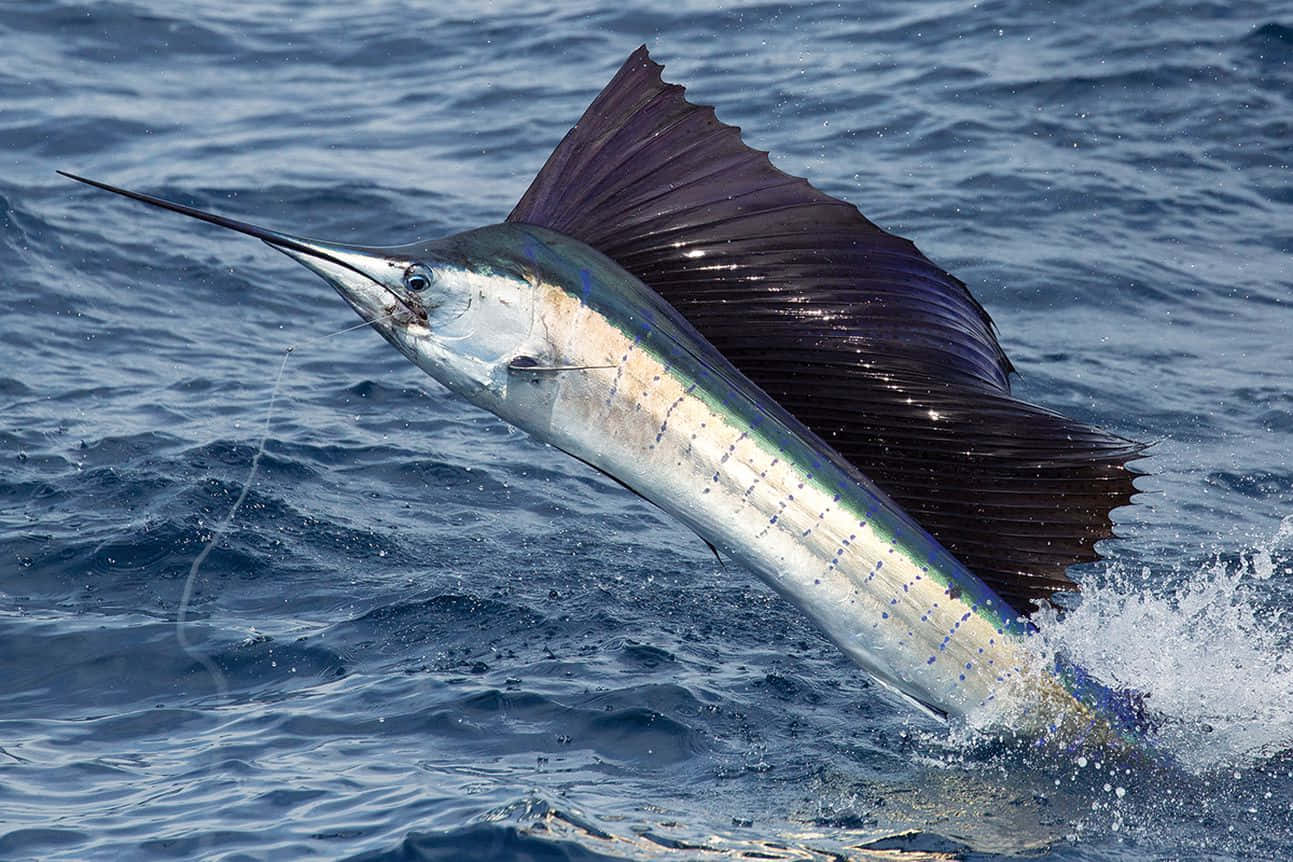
1212	656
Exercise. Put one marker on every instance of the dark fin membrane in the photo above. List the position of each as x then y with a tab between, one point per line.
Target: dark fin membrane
879	351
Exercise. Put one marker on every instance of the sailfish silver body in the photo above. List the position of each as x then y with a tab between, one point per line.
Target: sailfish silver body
583	356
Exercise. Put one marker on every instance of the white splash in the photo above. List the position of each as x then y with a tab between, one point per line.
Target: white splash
1211	655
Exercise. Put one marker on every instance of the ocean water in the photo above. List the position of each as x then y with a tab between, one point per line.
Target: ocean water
437	639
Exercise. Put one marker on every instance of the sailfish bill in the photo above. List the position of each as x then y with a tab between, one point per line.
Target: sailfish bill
666	306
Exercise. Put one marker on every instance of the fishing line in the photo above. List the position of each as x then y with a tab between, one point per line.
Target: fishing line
181	617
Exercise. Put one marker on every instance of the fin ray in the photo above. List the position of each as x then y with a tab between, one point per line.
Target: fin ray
852	329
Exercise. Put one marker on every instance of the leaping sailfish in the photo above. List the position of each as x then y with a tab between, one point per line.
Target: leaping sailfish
806	391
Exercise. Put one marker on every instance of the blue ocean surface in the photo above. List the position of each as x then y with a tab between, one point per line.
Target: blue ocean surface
434	638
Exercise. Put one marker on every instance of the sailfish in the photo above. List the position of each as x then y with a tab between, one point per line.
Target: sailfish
808	392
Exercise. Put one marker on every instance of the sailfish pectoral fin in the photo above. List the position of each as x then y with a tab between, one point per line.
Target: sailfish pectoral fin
526	364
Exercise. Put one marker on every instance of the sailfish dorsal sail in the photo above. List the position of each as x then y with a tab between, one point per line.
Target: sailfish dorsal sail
852	329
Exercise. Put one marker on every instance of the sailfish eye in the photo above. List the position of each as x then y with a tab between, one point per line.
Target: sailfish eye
417	278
